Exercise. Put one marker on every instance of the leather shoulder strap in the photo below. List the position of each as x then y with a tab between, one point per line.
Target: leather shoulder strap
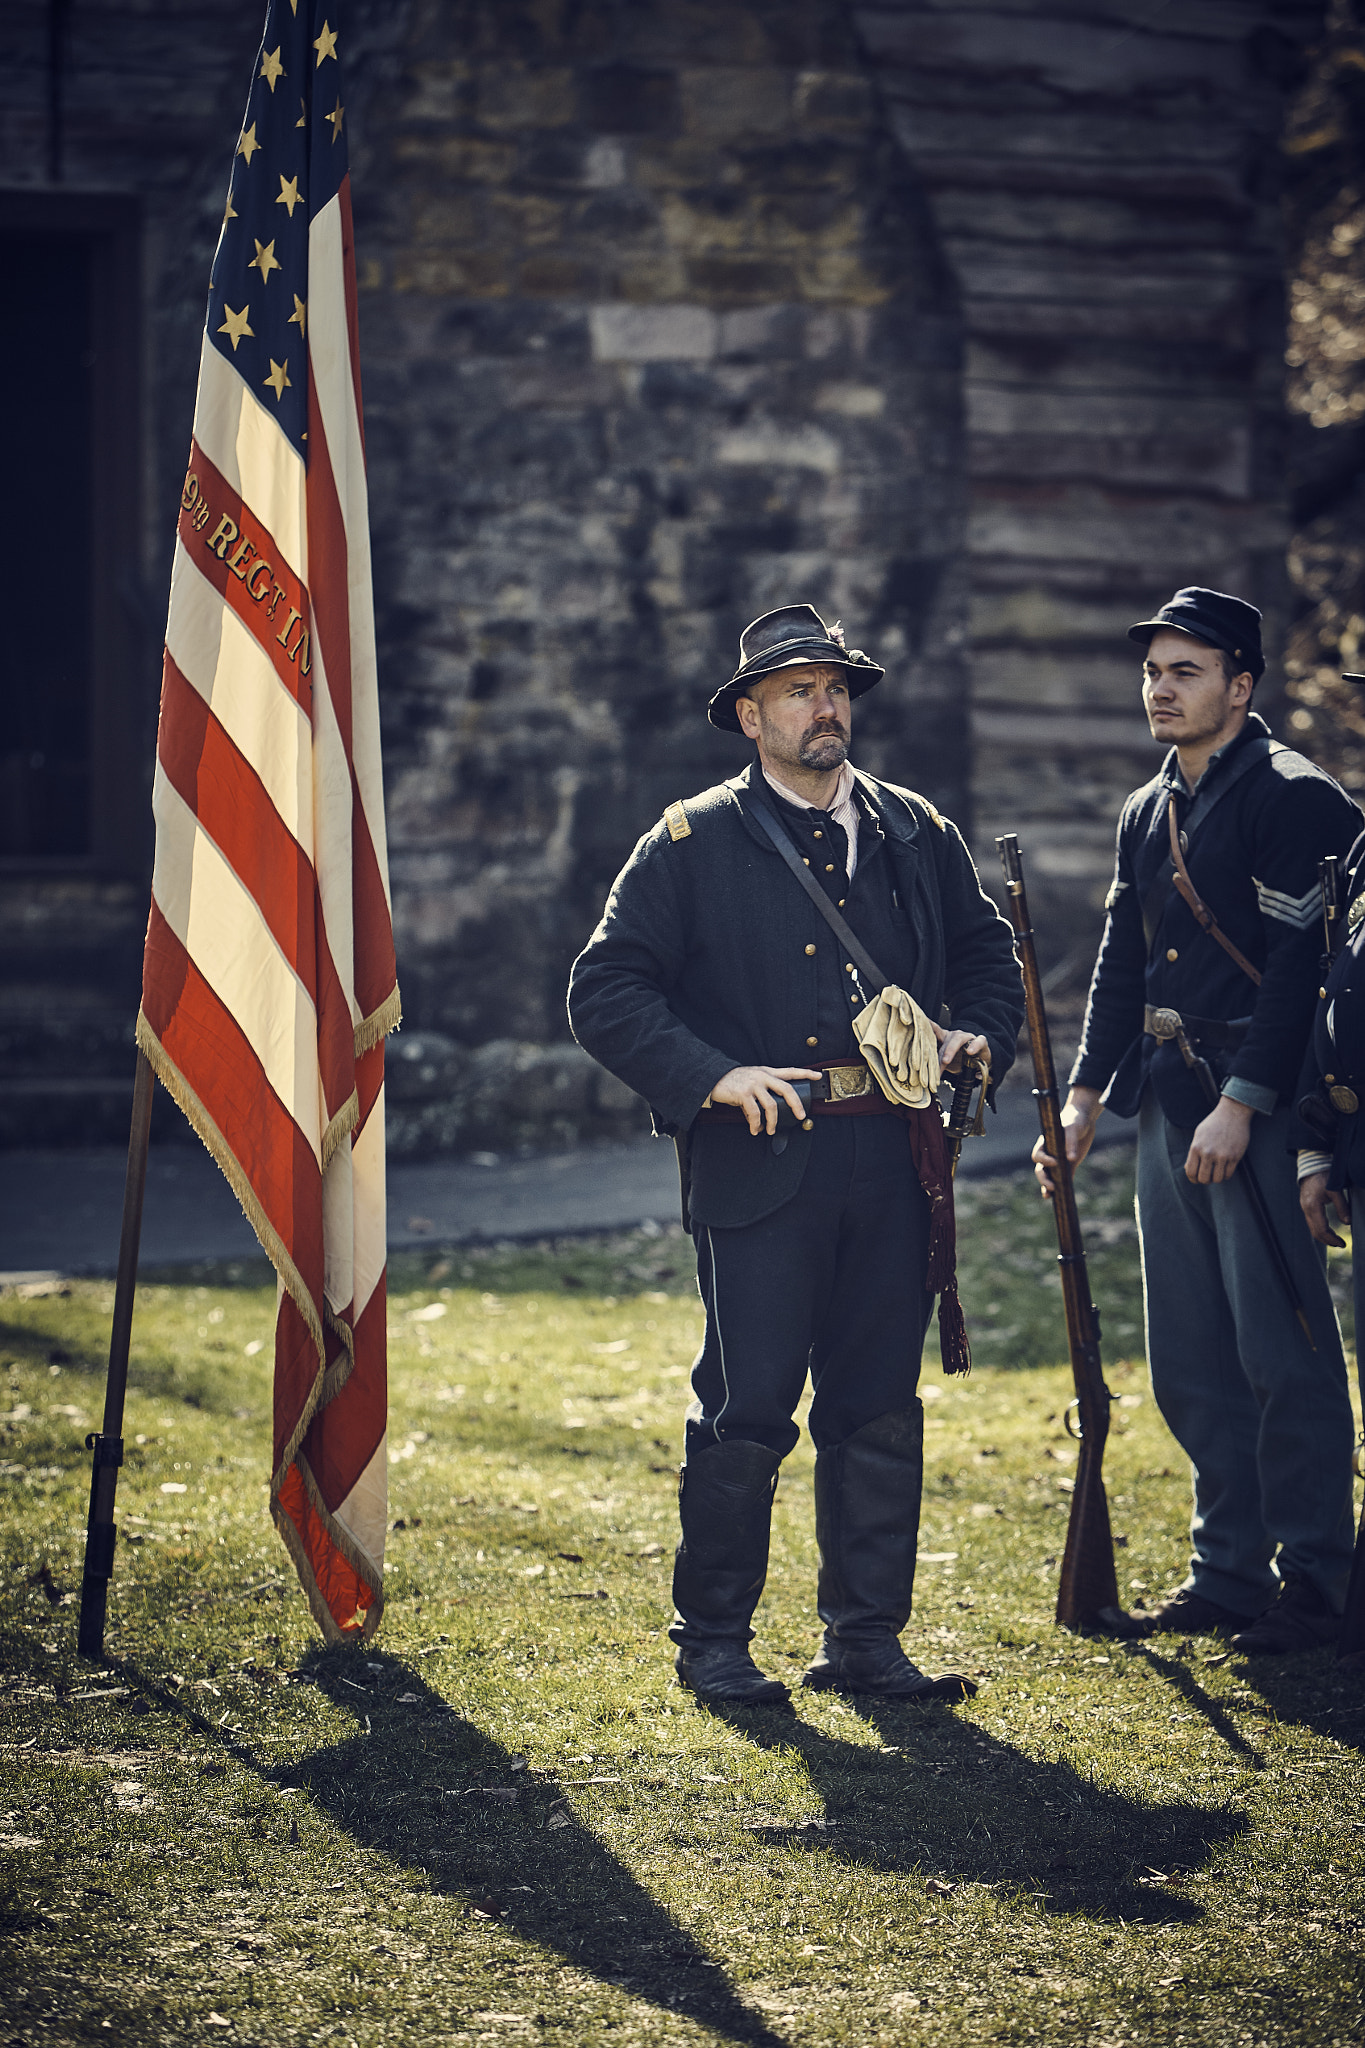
1257	749
1203	916
843	931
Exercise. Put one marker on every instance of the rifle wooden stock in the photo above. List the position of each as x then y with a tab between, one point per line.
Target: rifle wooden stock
1088	1594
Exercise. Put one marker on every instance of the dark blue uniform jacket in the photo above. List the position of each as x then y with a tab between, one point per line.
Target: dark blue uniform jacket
1336	1047
709	956
1256	827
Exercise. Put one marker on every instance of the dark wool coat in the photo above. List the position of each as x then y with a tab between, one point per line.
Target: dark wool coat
1336	1047
1259	822
708	957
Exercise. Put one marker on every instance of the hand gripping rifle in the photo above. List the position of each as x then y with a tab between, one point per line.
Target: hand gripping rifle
1088	1595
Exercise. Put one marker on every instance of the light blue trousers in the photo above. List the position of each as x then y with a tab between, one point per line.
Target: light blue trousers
1264	1418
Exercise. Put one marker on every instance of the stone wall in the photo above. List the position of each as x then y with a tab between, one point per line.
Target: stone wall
657	336
962	320
1106	183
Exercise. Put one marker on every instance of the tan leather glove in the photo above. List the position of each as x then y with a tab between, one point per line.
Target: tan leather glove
897	1041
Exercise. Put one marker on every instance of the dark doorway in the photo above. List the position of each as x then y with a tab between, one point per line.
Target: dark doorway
70	654
46	493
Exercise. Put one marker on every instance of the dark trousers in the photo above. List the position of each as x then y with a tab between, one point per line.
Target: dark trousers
831	1284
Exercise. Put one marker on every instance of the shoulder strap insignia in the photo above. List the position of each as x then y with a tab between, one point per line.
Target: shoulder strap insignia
934	812
675	817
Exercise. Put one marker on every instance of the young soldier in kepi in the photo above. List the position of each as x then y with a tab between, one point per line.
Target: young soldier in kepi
1204	986
821	1213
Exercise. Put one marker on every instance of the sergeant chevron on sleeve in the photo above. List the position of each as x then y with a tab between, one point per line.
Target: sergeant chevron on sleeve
1198	1014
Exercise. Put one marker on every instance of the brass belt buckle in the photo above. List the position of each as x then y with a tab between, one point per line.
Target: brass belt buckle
1344	1100
846	1082
1166	1024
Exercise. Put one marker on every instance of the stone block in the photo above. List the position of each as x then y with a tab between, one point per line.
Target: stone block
721	102
468	157
826	100
780	444
628	99
422	1067
508	1095
518	96
653	334
1059	679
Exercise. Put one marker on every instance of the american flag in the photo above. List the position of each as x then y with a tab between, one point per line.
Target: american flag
269	980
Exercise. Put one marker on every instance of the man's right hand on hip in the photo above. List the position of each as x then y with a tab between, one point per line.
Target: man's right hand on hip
753	1089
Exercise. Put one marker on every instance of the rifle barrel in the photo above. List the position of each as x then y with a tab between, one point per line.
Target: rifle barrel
1087	1594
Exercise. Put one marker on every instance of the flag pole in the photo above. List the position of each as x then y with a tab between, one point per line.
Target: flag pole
107	1446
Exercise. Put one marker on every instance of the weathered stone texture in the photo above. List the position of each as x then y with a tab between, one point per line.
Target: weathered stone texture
960	318
656	337
1104	181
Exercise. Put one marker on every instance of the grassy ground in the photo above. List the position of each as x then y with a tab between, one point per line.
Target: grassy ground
503	1822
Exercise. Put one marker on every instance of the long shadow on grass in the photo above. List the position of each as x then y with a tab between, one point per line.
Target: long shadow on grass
430	1790
950	1802
1312	1691
1183	1680
434	1792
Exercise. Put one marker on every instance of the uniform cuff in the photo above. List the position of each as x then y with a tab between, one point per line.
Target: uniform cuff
1314	1162
1251	1094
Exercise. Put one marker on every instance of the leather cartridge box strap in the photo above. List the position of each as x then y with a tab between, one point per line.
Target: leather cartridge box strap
1200	911
1250	755
841	928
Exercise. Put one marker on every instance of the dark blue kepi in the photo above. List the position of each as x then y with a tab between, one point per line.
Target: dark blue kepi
1228	623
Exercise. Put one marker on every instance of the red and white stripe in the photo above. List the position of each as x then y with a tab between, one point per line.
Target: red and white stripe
269	979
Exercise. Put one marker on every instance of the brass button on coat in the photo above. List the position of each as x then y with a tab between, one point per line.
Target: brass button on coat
819	835
1344	1100
1171	953
809	1124
829	867
809	951
812	1041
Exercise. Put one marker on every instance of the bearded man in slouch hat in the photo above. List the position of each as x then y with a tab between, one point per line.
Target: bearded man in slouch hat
821	1210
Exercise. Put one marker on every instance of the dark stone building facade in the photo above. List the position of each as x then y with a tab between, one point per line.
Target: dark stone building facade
963	321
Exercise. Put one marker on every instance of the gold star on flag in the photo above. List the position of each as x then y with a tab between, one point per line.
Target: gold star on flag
235	325
265	260
302	121
248	145
336	117
229	211
326	43
278	379
271	68
290	196
299	317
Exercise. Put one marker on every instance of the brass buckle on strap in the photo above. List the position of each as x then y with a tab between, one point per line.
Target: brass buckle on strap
847	1082
1162	1024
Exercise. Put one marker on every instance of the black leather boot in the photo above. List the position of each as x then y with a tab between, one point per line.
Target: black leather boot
867	1498
725	1503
